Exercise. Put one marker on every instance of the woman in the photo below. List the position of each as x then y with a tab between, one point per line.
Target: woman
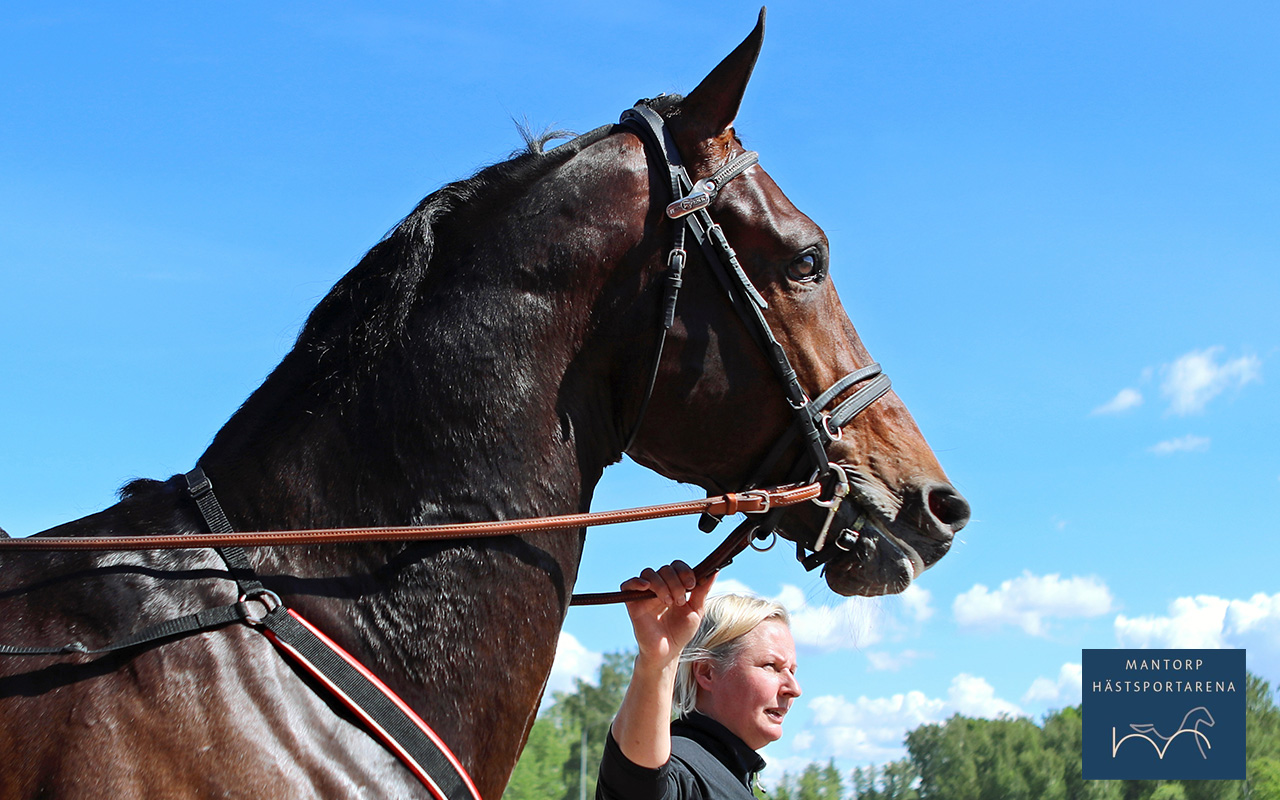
731	689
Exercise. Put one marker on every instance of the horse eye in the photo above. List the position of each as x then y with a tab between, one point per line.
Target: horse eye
804	268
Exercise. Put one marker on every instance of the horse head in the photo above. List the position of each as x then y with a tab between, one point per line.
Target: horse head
486	360
721	405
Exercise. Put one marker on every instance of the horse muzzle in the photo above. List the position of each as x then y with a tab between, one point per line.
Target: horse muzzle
873	541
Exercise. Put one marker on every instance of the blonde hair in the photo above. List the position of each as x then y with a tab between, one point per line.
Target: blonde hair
726	619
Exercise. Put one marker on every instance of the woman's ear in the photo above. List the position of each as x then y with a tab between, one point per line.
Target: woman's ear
703	673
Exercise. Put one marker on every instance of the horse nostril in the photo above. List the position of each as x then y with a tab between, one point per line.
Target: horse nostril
947	506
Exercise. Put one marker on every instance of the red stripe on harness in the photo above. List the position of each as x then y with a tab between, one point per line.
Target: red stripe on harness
378	731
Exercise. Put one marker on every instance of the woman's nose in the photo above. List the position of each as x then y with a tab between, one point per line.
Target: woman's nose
791	685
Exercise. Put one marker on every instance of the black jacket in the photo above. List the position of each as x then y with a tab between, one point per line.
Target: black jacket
707	763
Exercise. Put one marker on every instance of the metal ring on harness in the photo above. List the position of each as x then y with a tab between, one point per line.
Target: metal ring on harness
269	600
835	432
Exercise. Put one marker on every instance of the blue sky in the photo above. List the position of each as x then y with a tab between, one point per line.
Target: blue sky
1056	225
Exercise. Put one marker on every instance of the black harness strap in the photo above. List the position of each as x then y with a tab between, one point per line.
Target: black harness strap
388	719
207	620
237	561
427	757
251	591
675	258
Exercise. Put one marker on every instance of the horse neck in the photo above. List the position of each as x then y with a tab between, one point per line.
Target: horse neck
493	398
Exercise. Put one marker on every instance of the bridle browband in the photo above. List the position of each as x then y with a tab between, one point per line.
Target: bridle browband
815	428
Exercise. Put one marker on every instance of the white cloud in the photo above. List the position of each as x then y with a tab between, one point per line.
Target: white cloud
854	622
873	729
1209	622
1194	379
915	601
1123	401
1029	601
974	697
847	625
730	586
1183	444
870	729
1057	693
892	662
572	661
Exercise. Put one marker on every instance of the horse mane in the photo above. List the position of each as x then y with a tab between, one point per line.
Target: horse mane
368	308
364	319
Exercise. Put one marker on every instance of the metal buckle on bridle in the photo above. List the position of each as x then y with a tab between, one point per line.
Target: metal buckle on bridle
764	498
269	601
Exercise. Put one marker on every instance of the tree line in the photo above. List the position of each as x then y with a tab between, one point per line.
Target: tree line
962	758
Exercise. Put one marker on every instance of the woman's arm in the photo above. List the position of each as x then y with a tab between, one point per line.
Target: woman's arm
663	625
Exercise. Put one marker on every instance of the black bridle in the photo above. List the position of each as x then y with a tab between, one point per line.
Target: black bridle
812	425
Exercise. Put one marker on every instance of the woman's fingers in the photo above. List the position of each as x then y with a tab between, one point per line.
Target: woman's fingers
636	584
664	623
677	580
698	596
670	584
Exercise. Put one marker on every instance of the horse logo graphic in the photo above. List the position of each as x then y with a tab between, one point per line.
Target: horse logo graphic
1190	724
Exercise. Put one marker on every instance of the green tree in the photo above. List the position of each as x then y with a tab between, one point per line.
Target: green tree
816	782
820	783
784	790
1264	779
1064	736
1262	741
980	759
540	772
968	759
894	781
898	781
554	762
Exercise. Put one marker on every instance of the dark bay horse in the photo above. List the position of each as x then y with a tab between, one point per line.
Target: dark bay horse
486	360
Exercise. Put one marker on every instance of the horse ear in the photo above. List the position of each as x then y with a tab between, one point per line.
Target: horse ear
712	107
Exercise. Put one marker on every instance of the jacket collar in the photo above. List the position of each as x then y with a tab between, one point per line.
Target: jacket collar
720	742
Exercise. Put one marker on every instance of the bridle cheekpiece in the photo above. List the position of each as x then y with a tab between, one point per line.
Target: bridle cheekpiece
813	426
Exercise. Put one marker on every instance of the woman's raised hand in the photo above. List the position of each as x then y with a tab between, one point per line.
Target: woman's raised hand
666	622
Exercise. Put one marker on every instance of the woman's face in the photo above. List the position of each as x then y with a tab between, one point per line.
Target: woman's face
752	694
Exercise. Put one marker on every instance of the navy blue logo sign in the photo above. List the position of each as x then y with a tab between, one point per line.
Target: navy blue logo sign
1163	714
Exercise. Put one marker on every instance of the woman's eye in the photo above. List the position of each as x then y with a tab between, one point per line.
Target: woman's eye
804	268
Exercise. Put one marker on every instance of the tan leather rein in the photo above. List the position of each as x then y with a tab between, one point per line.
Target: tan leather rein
754	501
